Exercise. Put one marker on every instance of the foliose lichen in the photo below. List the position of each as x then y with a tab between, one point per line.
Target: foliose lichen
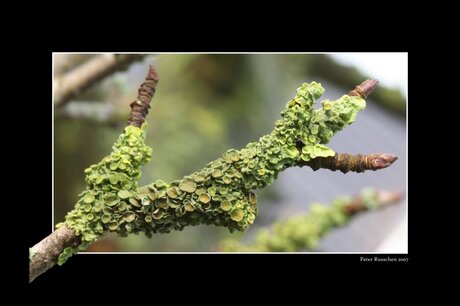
222	192
303	231
104	204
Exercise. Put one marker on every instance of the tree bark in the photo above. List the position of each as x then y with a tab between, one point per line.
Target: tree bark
44	254
344	162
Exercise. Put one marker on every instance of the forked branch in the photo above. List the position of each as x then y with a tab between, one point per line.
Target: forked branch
219	194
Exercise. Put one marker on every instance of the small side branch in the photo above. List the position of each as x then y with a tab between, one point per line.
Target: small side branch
70	84
383	199
364	89
304	231
356	163
140	107
347	162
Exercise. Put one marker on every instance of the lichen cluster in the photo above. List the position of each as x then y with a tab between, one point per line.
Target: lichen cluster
303	231
219	194
103	206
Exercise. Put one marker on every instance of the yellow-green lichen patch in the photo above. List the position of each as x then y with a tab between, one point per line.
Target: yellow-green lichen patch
88	198
226	205
187	185
237	215
106	218
124	194
217	173
173	192
111	180
199	178
113	225
303	231
227	179
204	198
189	207
129	216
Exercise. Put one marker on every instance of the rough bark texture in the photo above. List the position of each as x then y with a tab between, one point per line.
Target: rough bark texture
140	107
70	84
44	254
347	162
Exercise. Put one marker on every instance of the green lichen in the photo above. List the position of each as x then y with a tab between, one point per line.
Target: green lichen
109	184
302	231
66	254
222	192
31	253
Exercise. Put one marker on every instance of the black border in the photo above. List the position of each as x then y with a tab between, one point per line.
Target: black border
91	268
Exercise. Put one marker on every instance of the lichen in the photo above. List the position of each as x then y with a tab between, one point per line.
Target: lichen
32	253
222	192
303	231
102	205
66	254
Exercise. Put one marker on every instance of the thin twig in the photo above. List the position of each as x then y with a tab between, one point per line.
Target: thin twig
140	107
364	89
347	162
356	163
383	198
303	231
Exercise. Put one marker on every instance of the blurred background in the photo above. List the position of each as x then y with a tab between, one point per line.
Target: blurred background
208	103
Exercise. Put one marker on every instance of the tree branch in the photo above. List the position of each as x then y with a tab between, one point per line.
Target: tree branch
70	84
219	194
348	162
66	62
140	107
364	89
44	255
355	163
303	231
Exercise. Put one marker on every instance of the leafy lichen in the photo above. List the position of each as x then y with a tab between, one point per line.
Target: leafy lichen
222	192
102	206
303	231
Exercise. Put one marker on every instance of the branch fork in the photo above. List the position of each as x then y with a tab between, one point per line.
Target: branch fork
45	253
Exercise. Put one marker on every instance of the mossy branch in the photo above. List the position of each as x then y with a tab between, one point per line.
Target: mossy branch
65	241
221	193
304	231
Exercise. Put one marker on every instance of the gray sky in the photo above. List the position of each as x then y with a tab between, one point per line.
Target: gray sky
389	68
